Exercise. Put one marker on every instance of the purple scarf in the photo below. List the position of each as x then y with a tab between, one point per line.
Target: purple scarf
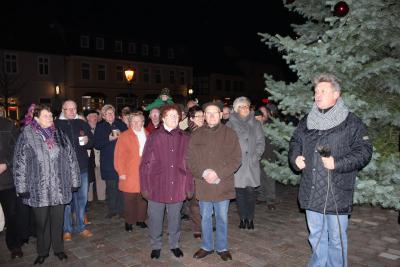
46	133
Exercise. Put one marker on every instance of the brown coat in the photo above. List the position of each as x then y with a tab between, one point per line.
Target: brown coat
214	148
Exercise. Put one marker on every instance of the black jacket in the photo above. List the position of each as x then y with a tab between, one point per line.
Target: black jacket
8	137
351	149
73	129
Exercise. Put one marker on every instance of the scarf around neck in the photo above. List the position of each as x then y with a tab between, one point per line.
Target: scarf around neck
47	134
317	120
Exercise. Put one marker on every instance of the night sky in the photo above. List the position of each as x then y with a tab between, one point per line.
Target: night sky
202	24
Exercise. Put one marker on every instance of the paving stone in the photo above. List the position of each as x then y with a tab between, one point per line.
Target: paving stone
394	251
280	239
390	240
389	256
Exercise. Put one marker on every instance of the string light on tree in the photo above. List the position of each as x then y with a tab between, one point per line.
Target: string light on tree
341	9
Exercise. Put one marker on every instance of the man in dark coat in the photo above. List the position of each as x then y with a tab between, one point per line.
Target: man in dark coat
81	138
8	196
329	147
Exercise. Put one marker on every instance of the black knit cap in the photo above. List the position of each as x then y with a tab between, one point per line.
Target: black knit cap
86	112
217	103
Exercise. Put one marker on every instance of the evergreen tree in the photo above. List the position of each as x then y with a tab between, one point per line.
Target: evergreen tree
362	48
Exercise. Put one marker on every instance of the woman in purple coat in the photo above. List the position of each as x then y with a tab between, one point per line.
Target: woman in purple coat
165	180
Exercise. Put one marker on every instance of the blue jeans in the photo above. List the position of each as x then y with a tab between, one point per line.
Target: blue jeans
78	203
328	252
221	222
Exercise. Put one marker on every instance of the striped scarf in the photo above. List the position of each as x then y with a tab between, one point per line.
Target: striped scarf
332	118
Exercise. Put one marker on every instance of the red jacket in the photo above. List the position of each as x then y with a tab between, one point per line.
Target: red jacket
164	175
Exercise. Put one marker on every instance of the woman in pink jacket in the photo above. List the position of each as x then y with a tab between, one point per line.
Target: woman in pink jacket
127	157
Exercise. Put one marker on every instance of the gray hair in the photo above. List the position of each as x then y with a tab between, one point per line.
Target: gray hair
240	101
329	78
135	114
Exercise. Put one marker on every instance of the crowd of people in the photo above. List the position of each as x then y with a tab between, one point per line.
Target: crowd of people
188	160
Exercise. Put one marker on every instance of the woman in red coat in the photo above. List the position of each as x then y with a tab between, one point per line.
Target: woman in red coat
165	179
127	156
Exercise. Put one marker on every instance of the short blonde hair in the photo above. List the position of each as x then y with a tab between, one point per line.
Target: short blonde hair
107	107
240	101
135	114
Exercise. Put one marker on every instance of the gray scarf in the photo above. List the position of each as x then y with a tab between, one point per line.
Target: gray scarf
332	118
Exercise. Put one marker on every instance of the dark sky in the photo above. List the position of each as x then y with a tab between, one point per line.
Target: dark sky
200	23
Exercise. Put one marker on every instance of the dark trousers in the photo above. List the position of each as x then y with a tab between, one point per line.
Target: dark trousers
266	190
194	211
8	201
114	197
246	202
49	229
135	208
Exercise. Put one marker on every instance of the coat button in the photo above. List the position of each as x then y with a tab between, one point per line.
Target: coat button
313	169
172	182
312	187
172	166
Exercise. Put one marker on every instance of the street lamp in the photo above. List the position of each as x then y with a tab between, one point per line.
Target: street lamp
129	73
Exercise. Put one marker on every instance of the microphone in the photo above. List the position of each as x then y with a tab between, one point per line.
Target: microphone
324	151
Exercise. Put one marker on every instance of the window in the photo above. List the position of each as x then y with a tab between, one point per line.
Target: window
84	41
218	84
132	48
227	85
236	87
118	46
171	54
10	63
43	65
119	73
172	77
146	75
145	50
241	86
156	51
101	72
182	77
99	43
157	76
85	71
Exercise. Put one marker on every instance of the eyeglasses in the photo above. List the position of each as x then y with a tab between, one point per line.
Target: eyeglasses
172	116
212	113
69	109
244	107
199	116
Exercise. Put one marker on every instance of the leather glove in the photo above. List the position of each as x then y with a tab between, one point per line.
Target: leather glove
74	189
189	195
24	195
144	194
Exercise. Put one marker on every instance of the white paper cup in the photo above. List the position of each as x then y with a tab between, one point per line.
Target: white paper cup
81	140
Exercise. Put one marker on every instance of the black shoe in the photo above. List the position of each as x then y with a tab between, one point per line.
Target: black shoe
177	252
242	224
128	227
155	253
61	255
260	202
141	224
110	215
40	259
16	253
250	225
184	217
225	255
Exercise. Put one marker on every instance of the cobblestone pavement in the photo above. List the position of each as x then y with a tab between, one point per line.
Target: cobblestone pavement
280	239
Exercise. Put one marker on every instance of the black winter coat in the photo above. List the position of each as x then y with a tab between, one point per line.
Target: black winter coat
351	149
8	137
73	129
